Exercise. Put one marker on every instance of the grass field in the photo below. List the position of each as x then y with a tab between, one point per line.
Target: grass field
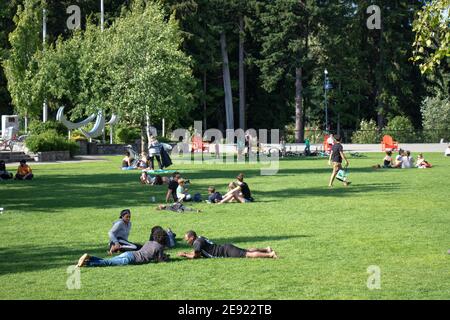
398	220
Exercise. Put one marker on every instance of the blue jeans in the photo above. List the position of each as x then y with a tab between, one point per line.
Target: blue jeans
121	260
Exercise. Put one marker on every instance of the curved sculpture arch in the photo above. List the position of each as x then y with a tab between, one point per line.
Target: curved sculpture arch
99	125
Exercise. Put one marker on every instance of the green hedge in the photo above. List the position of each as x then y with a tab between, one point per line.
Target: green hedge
50	141
38	127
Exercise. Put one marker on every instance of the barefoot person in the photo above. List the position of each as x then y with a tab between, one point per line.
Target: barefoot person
118	235
336	156
153	250
204	247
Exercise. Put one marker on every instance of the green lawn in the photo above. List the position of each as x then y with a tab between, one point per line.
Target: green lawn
398	220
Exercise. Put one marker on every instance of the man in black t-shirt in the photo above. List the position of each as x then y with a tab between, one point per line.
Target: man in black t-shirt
205	248
172	189
336	156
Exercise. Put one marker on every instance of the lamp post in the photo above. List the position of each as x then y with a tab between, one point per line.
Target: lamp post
325	86
44	36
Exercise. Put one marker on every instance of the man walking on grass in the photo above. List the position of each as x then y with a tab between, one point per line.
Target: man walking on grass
335	159
204	247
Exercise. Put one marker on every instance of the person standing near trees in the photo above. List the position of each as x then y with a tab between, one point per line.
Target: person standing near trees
154	151
335	159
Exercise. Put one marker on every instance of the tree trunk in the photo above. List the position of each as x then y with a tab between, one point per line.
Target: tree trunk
241	75
299	124
227	83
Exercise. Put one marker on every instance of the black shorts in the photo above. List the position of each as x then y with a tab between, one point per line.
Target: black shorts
231	251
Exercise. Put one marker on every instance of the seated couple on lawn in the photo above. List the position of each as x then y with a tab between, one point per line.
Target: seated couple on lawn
238	191
120	231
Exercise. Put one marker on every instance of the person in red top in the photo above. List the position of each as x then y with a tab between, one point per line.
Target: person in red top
24	171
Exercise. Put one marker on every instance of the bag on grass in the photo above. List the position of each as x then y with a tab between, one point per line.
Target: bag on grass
342	175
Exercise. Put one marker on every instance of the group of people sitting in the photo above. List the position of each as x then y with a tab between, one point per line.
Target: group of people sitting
238	191
160	240
24	171
403	160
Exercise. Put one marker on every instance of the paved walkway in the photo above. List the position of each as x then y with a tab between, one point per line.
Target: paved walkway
413	147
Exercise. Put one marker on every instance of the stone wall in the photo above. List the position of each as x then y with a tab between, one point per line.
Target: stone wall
52	156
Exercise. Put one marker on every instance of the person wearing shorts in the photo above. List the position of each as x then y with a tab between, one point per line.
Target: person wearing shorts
205	248
335	159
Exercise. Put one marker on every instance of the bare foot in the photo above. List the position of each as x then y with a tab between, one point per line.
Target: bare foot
274	255
83	260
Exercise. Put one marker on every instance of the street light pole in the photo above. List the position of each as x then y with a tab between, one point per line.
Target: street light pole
44	35
326	106
102	15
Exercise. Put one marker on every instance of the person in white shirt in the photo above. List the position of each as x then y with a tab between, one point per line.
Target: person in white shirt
447	151
407	160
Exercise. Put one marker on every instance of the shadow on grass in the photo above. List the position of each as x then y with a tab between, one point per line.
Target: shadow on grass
36	258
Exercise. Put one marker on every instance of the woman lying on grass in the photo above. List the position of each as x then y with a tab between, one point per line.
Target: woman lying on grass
153	250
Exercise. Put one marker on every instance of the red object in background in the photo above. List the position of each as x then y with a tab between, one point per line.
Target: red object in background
388	144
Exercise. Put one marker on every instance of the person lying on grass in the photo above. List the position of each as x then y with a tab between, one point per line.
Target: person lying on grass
153	250
176	207
205	248
335	159
157	180
118	235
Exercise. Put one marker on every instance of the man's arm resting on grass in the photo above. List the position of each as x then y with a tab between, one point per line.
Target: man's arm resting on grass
189	255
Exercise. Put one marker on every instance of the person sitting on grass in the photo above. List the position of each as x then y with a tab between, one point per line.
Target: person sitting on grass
204	247
335	159
182	191
213	196
153	250
238	191
127	161
4	174
143	162
387	161
407	160
118	235
233	195
422	163
447	151
398	159
176	207
24	171
172	188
